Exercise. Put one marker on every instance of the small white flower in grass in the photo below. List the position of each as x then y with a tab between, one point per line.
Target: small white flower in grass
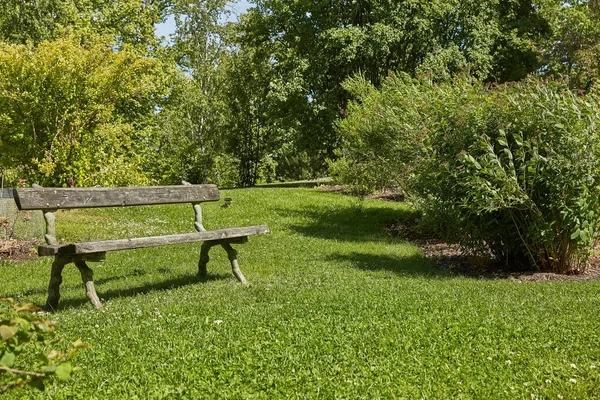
592	366
489	358
573	380
218	321
573	366
507	362
560	396
548	381
97	326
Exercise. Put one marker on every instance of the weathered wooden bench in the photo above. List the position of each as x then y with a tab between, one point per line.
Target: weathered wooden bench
49	200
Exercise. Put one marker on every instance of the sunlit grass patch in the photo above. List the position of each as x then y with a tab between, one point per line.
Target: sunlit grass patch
335	308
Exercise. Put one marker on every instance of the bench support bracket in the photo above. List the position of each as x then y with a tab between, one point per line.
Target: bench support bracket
231	254
86	276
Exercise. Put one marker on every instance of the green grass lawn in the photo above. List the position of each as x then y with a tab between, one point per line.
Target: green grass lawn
335	308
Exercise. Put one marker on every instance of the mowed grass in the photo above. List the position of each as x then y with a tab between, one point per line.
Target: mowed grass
335	308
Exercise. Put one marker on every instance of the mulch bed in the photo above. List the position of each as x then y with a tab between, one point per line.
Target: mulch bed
449	257
16	250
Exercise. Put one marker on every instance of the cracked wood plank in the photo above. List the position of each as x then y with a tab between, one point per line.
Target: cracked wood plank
136	243
66	198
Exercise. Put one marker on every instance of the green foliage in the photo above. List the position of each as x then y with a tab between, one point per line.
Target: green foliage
74	115
572	49
189	134
514	171
312	48
36	20
192	137
383	135
24	341
511	171
252	134
125	22
293	163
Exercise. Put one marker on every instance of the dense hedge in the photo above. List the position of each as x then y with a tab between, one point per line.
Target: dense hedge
510	171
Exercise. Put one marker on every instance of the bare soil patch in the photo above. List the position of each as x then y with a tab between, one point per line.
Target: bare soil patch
449	257
12	250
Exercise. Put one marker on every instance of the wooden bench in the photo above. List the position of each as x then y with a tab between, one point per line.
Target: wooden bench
49	200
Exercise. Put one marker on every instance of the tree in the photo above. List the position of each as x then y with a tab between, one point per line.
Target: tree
314	47
250	134
74	115
572	49
38	20
125	22
191	123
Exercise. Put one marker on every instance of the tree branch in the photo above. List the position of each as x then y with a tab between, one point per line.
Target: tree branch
16	371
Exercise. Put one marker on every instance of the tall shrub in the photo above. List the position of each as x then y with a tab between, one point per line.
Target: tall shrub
74	114
511	171
383	135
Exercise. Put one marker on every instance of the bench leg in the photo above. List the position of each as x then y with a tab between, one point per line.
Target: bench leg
87	277
204	258
55	280
232	254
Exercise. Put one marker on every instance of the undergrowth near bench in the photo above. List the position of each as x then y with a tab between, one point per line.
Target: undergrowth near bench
335	308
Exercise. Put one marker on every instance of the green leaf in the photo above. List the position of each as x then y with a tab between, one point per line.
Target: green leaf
6	332
518	139
63	371
49	369
8	359
79	344
575	234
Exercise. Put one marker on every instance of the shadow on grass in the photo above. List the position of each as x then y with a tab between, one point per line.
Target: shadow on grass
73	286
173	283
402	265
353	223
362	224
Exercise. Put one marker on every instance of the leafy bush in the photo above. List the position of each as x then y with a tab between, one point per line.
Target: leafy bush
77	114
24	338
511	172
383	135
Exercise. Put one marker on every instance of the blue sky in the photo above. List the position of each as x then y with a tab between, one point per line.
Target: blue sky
237	8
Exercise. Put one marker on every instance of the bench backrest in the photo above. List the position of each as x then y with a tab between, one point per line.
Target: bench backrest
65	198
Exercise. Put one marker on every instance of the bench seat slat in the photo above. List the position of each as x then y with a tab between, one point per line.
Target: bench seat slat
136	243
66	198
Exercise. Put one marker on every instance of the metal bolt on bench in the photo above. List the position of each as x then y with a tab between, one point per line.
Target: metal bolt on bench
49	200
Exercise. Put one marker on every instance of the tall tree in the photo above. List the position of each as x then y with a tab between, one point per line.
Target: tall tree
573	47
191	123
126	22
250	134
316	46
